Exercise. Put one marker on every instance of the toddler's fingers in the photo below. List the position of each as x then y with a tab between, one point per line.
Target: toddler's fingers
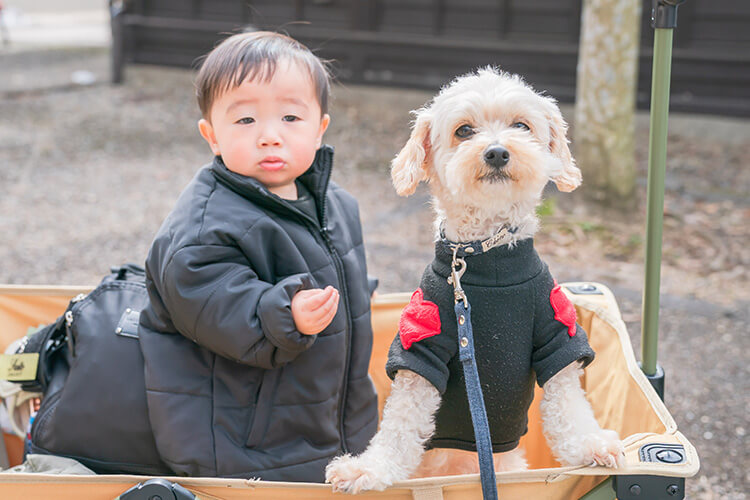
317	298
329	311
324	315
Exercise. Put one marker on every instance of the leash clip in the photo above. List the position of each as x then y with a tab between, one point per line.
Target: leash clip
458	268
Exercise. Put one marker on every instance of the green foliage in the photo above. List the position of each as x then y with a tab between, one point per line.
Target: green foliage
589	227
547	207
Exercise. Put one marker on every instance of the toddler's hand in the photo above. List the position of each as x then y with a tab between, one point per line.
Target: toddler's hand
313	310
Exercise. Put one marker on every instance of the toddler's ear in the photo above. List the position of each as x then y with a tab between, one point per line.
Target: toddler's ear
324	122
207	132
412	164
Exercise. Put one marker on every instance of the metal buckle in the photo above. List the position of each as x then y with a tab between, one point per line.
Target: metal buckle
458	268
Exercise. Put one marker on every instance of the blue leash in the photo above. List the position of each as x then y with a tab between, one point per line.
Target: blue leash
473	387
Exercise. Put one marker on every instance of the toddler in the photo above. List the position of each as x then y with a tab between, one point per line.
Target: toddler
257	338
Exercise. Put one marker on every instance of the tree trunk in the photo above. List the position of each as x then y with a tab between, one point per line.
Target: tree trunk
604	121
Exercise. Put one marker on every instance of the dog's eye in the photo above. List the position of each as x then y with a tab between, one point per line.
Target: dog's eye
521	125
464	131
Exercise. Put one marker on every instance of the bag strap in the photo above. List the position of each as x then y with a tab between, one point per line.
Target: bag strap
122	271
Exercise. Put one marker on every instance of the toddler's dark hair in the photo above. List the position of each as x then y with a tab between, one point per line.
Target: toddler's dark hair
255	55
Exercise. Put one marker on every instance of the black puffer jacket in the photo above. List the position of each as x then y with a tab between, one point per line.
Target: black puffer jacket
233	389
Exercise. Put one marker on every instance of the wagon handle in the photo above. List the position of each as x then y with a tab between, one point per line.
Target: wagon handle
157	488
663	20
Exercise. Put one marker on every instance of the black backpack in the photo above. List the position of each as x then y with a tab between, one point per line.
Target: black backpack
91	375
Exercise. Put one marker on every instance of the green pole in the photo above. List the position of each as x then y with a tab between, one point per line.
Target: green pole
655	193
602	491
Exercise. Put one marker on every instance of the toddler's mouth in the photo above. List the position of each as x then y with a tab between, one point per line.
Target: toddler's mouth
272	163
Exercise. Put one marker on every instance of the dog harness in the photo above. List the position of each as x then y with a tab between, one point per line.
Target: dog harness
520	323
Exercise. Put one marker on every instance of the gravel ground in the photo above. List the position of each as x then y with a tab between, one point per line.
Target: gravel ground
87	173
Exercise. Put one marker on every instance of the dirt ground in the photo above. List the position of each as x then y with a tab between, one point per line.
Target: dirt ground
87	174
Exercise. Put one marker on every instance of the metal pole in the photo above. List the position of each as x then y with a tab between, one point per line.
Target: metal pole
664	20
657	160
116	11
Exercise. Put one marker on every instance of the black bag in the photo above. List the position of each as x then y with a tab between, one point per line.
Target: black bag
91	373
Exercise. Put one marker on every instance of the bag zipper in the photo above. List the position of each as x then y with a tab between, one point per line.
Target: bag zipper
69	322
45	410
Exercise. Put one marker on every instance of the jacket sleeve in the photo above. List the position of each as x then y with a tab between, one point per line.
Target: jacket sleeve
215	299
417	347
372	283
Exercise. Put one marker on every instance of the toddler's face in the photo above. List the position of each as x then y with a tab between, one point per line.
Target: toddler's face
268	130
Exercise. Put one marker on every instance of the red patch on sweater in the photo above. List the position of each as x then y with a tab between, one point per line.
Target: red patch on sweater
565	313
420	319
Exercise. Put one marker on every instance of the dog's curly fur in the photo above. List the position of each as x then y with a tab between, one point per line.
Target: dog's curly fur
473	201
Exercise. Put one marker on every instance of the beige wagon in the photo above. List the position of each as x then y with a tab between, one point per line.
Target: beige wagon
620	394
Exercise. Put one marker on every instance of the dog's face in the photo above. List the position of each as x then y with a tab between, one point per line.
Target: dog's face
487	139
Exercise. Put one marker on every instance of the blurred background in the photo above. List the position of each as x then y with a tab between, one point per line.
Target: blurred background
98	136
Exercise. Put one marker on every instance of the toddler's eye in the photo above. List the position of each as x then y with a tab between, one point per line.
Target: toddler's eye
290	118
521	125
464	131
246	120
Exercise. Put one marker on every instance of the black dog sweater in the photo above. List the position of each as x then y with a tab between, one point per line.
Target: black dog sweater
524	330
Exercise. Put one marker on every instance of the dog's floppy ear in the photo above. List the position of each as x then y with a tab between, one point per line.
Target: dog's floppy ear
567	176
411	165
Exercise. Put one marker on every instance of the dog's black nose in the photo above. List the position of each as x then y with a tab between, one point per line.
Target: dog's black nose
496	156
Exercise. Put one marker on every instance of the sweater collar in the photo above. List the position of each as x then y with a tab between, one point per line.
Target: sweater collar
315	179
503	265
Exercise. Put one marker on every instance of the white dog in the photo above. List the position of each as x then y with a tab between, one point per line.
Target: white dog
487	144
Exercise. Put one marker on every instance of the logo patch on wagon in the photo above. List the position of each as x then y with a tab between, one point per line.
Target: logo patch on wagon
565	313
420	319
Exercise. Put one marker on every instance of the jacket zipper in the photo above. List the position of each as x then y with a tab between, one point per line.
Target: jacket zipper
345	294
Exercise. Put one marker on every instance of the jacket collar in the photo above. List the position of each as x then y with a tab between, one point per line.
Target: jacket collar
315	179
503	265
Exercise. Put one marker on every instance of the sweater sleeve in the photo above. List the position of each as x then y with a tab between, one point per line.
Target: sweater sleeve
215	299
558	339
427	339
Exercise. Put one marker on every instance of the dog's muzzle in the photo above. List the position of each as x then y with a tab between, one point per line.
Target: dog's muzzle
496	156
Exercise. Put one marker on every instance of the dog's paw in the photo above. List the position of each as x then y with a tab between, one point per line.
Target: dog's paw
348	474
602	447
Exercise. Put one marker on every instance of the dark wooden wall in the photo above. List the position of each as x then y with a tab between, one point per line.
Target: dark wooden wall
424	43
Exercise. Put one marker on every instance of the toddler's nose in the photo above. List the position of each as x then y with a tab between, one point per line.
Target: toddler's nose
269	137
269	140
496	156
